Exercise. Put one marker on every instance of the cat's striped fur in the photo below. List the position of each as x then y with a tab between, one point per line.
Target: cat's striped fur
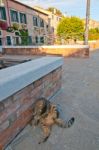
46	114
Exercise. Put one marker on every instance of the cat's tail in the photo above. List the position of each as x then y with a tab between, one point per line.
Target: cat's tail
65	124
71	122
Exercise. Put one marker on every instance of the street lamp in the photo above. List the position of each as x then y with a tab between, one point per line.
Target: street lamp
87	22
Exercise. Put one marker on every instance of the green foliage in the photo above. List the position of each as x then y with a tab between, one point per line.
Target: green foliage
15	26
24	36
70	28
17	33
94	34
58	12
10	29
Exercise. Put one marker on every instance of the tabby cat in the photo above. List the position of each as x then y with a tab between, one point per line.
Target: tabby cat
46	114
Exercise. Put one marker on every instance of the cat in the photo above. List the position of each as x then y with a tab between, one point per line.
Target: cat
46	114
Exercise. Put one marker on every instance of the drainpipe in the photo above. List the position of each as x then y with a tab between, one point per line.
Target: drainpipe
8	13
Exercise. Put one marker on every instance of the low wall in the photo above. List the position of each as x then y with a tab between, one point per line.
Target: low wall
61	50
94	45
20	86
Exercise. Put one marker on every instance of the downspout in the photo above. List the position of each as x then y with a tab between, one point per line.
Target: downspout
8	13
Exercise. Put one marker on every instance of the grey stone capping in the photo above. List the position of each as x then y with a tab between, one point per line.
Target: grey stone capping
15	78
50	46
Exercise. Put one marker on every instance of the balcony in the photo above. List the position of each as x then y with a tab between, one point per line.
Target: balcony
3	25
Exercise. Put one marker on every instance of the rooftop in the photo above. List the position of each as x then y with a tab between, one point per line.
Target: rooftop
33	8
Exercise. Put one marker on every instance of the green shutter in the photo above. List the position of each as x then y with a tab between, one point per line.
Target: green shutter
25	19
20	17
3	13
11	13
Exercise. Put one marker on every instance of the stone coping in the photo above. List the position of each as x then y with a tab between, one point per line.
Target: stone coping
50	46
15	78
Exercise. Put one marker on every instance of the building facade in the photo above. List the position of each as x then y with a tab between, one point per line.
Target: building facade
22	25
92	23
54	19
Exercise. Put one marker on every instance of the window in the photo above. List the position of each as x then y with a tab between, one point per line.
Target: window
57	19
17	40
36	39
23	18
35	21
30	40
2	13
42	39
14	16
0	33
0	41
47	26
41	23
0	37
8	40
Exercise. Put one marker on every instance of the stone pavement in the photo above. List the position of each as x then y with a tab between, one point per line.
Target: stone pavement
78	97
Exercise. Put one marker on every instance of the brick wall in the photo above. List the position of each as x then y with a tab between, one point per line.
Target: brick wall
61	51
94	44
16	112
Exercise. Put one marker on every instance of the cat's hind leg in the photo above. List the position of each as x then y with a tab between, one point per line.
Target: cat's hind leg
46	134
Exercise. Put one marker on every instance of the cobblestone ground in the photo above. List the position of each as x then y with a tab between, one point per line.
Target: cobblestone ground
78	97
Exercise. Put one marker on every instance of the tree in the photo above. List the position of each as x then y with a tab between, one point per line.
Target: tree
55	10
94	34
70	28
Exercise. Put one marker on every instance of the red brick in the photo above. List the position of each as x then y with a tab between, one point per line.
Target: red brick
1	147
7	102
4	125
37	83
3	116
7	112
8	134
1	106
17	108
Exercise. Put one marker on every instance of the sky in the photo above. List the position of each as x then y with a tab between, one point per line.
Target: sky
68	7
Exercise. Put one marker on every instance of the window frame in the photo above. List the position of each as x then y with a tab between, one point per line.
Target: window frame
41	23
10	40
22	13
42	39
13	10
4	13
0	33
36	39
37	21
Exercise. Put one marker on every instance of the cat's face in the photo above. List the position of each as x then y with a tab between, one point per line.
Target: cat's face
39	107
